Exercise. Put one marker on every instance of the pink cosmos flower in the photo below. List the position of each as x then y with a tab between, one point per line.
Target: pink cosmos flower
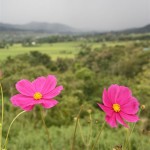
40	91
119	105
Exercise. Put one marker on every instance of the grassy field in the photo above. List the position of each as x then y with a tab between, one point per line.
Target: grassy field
64	49
83	81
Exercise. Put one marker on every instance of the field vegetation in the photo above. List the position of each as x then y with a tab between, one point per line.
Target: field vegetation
84	66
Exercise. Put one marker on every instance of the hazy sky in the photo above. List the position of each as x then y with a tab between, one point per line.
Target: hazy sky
84	14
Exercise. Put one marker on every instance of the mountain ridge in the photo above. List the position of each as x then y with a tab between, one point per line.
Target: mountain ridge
58	28
38	27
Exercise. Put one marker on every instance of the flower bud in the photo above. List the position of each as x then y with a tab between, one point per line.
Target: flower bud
143	107
89	111
75	118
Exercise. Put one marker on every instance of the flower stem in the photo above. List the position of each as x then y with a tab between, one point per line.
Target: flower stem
90	133
128	138
46	129
81	133
98	136
74	134
2	117
6	140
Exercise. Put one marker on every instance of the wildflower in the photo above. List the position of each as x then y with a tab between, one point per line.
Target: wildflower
119	105
118	147
89	111
40	91
75	118
143	107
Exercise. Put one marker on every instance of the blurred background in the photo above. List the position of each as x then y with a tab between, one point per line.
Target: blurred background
88	45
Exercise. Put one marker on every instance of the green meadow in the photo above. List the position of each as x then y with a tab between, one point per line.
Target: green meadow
64	50
55	50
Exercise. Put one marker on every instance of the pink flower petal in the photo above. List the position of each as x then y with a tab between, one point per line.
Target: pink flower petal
53	93
124	95
47	88
106	100
46	103
49	103
107	110
25	87
28	108
113	92
49	85
120	120
39	83
21	100
128	117
131	107
111	120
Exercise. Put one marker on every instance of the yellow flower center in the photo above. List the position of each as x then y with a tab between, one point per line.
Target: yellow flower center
116	107
37	96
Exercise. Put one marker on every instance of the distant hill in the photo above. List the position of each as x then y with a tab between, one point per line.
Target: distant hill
57	28
145	29
54	28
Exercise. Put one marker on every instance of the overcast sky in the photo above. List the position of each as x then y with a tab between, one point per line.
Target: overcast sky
84	14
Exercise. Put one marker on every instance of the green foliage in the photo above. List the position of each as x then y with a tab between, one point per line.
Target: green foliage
84	73
36	58
116	61
84	77
24	135
62	65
